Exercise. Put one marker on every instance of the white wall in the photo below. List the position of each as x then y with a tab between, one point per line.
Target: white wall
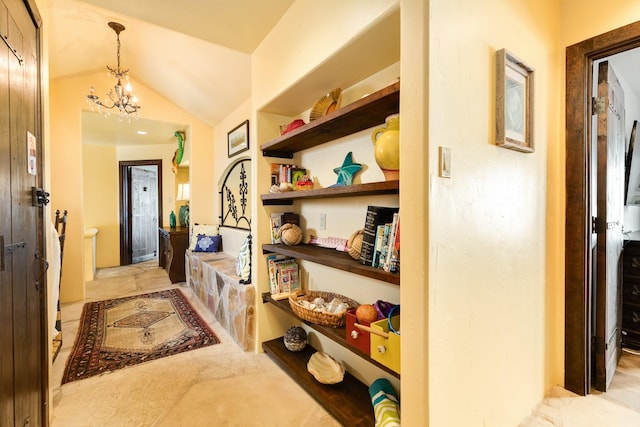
488	308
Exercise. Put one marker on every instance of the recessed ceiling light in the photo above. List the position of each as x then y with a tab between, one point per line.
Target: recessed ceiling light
142	132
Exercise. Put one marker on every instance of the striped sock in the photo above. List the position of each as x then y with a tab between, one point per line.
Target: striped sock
386	406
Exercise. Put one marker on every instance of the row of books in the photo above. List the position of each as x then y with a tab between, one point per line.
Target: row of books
286	173
284	276
381	238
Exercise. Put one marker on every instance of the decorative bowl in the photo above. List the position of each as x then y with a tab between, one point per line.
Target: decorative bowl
327	104
325	369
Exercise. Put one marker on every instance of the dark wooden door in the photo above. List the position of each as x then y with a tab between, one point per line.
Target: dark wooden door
608	225
23	361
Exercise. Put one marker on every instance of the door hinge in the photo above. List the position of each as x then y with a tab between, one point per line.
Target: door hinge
598	225
598	105
597	345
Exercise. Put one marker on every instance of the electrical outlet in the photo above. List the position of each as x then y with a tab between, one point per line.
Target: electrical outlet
323	222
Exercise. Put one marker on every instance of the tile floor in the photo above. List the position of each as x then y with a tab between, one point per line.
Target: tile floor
219	385
223	386
618	407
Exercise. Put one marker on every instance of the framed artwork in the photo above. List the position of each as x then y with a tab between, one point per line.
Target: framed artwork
238	139
514	103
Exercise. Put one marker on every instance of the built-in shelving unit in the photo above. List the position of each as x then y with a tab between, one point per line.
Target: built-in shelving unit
368	189
348	401
337	335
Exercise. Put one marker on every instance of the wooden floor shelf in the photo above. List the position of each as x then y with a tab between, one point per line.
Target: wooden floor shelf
332	258
348	402
368	189
337	335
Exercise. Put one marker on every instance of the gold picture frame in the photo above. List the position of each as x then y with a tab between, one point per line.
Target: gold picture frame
514	103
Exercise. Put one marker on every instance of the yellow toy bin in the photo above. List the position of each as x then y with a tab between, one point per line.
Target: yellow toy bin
385	344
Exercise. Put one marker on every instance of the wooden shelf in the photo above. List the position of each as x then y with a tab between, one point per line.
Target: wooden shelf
369	189
332	258
359	115
348	401
337	335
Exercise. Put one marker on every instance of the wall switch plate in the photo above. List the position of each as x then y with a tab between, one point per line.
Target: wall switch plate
323	222
444	162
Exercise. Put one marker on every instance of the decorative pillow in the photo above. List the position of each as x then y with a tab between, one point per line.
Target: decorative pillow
243	264
196	229
206	243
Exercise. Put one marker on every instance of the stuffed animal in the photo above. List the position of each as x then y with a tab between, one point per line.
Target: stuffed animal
290	234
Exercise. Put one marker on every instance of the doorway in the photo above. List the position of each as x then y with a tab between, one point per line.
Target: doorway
140	209
580	298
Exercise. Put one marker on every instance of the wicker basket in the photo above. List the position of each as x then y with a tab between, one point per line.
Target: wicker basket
333	320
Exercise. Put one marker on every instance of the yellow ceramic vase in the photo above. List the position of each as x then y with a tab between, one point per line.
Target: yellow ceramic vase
386	141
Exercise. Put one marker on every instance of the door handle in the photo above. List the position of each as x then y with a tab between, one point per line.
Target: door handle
40	272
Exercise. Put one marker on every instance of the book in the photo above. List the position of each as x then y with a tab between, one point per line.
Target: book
288	281
271	267
275	222
376	215
385	246
380	240
391	245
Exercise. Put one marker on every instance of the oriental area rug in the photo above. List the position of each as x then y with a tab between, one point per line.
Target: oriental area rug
121	332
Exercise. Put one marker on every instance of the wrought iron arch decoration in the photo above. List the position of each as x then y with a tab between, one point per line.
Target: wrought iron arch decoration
235	203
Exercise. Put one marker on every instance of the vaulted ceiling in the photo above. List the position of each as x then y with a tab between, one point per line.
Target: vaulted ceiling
195	53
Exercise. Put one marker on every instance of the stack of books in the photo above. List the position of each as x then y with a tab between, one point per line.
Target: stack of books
284	276
287	173
381	238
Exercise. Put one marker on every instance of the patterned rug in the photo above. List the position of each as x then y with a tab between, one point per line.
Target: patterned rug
122	332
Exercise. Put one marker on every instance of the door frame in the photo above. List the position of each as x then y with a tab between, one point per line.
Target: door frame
34	13
578	260
126	243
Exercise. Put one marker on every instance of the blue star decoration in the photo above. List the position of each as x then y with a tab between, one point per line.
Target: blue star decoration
346	171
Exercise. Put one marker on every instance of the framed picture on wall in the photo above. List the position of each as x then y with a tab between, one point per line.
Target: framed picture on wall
238	139
514	103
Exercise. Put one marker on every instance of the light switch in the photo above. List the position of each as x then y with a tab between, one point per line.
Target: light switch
444	162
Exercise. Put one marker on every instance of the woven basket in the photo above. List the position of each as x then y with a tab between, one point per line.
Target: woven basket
333	320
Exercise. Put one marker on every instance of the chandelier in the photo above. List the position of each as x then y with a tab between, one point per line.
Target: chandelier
119	97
